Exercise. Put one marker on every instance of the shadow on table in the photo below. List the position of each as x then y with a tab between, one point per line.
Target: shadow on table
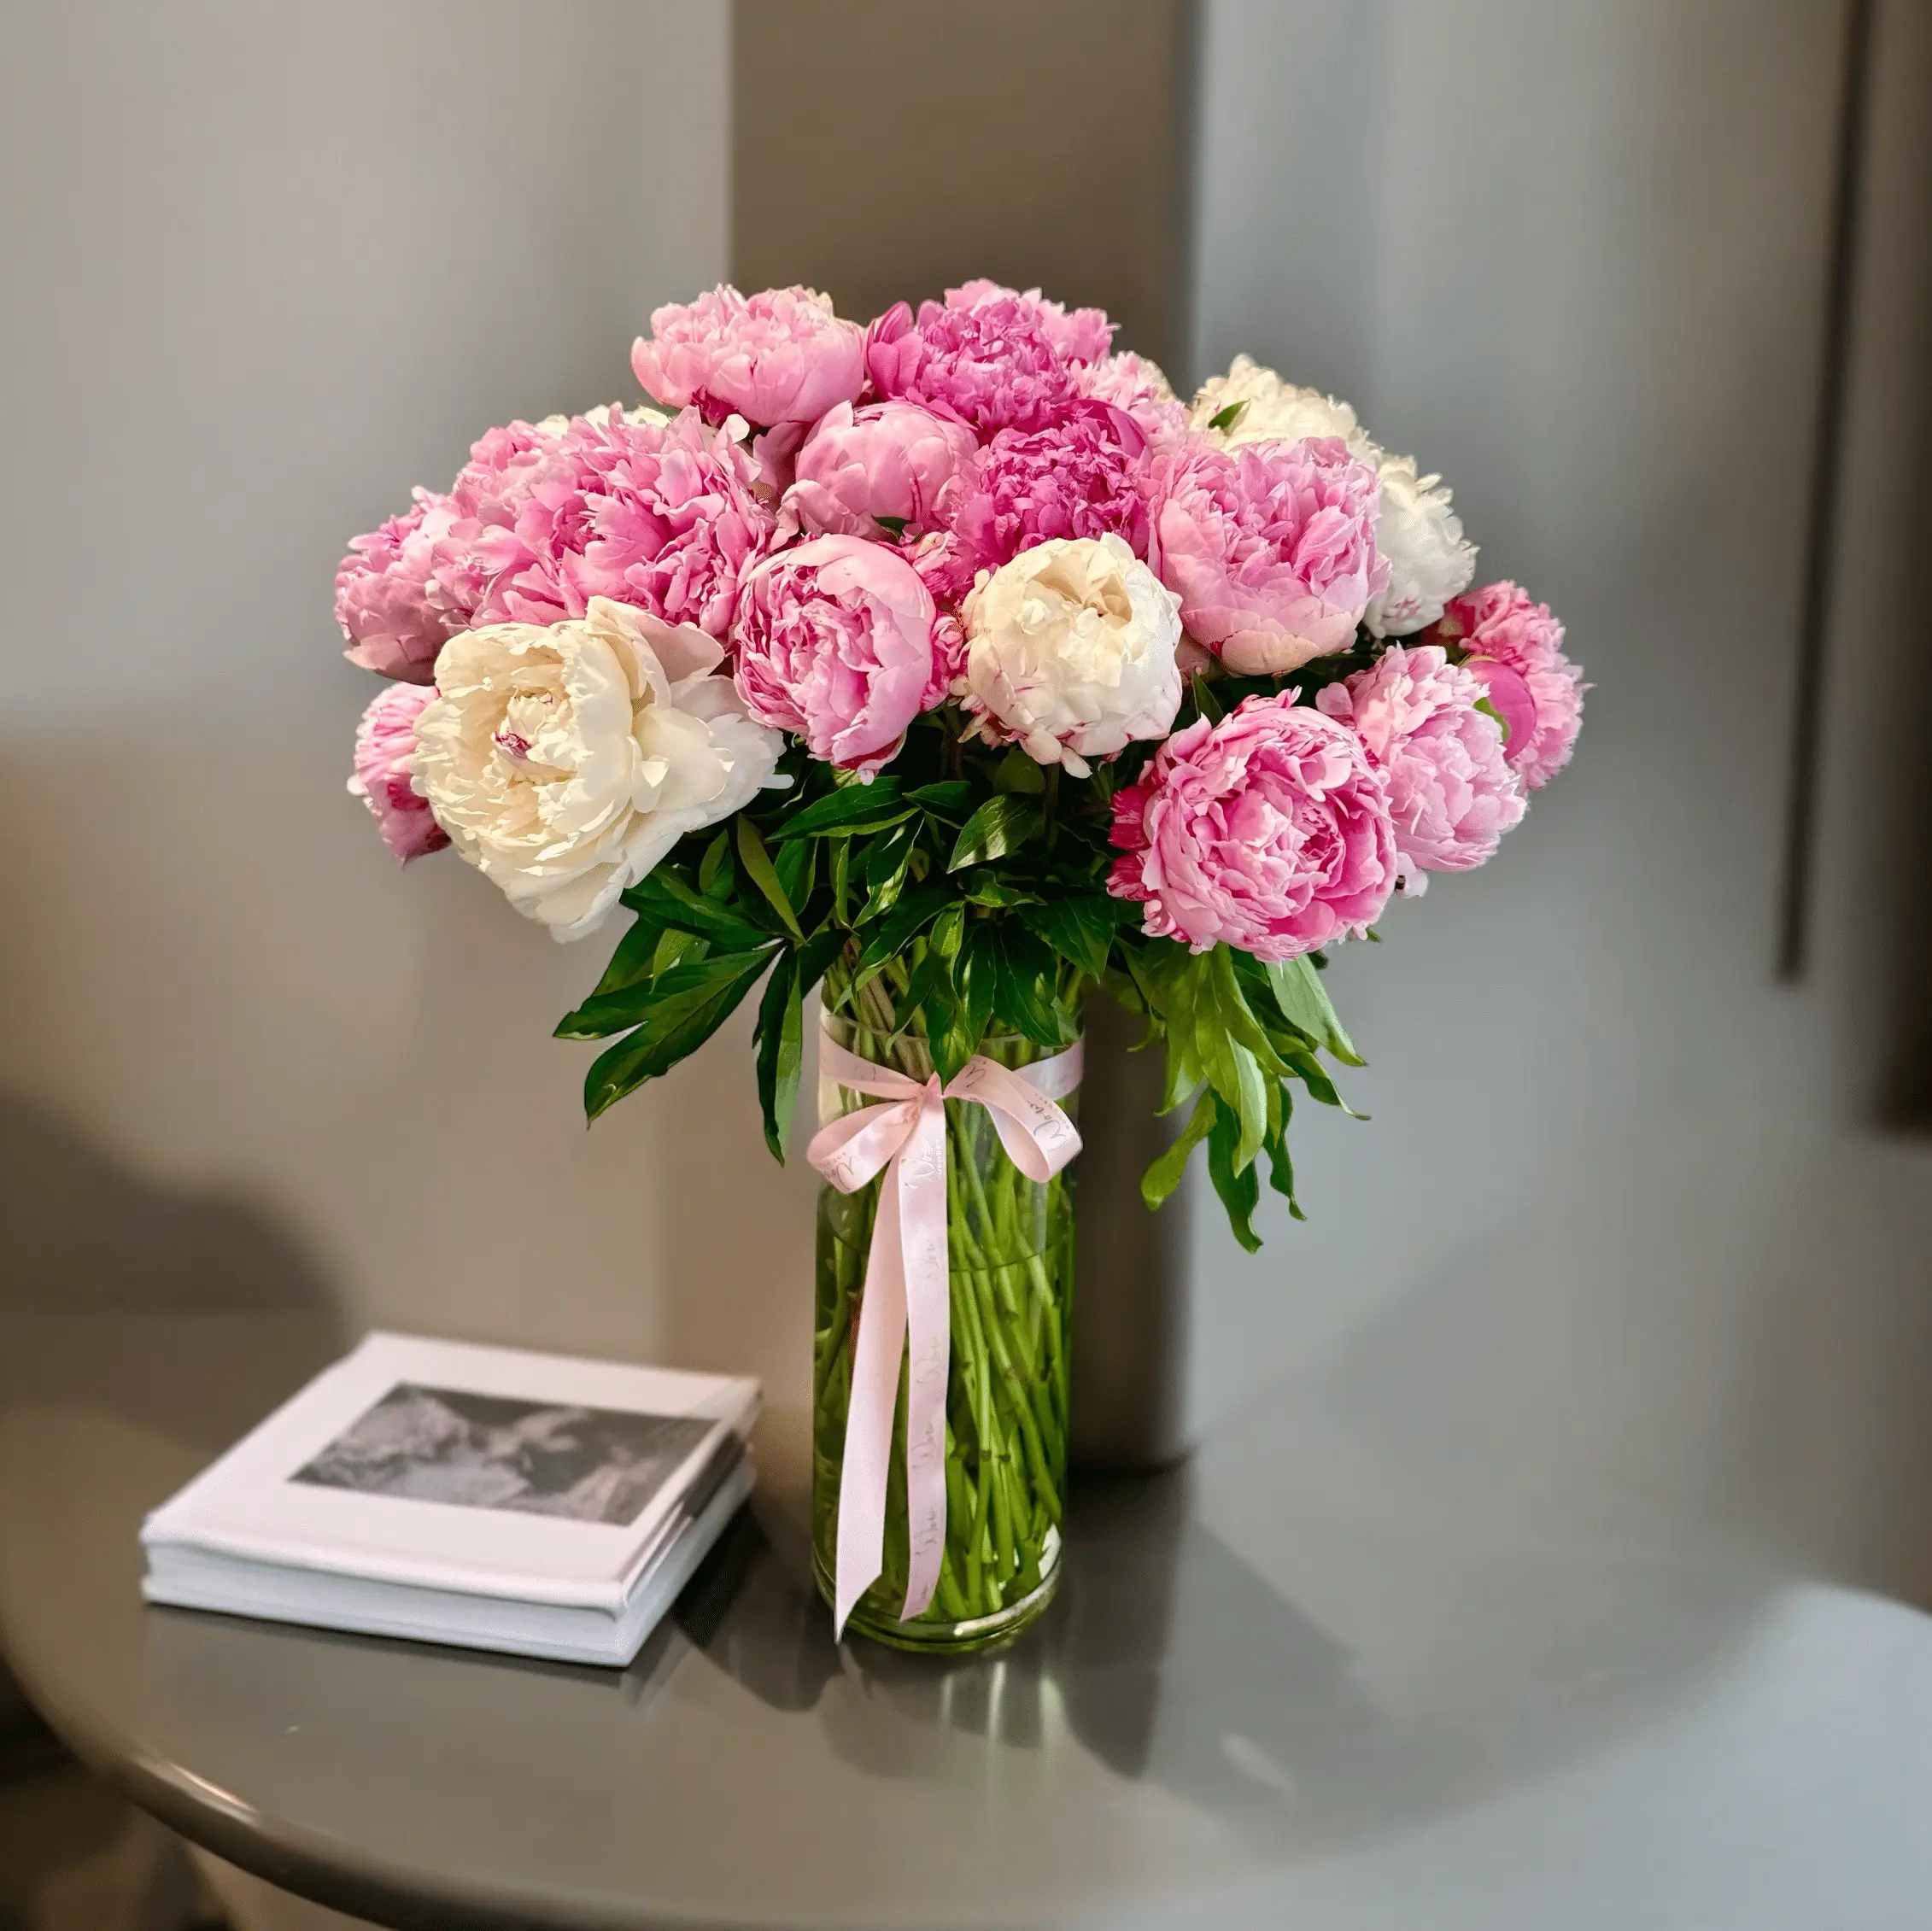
1172	1660
94	1262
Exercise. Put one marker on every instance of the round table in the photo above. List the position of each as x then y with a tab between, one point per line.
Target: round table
1289	1685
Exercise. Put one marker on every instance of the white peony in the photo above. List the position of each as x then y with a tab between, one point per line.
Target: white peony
1270	410
1421	536
564	760
1070	650
1415	530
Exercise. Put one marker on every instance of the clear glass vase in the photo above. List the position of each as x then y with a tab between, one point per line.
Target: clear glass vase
1010	1266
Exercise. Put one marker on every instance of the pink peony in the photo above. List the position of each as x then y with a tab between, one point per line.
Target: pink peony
1451	791
1081	335
660	515
1272	547
405	590
385	743
947	566
1268	831
1132	382
394	608
888	459
834	643
501	461
949	660
1085	477
991	358
1515	647
779	357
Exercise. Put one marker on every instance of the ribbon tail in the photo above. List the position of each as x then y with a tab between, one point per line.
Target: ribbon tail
921	1184
868	1416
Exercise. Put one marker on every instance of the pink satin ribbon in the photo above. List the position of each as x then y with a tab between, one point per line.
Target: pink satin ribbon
906	1302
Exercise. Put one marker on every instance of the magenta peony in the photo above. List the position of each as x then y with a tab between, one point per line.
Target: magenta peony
1268	831
385	744
1451	791
834	643
1272	547
660	515
395	607
1516	647
782	356
994	359
1081	335
890	460
1086	477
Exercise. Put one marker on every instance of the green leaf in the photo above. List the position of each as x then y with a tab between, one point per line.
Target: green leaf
886	866
1307	1069
1251	1108
633	958
1231	1008
902	925
1160	1180
815	958
976	973
1489	710
666	1035
842	879
997	894
1023	991
663	896
1304	1004
934	970
1080	930
893	527
1001	825
757	862
948	1036
676	945
952	798
781	1052
850	808
1239	1187
949	929
1206	701
1016	772
659	1000
711	866
1225	418
797	866
1280	1167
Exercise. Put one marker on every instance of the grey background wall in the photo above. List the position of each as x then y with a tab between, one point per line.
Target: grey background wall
1622	1243
1619	1244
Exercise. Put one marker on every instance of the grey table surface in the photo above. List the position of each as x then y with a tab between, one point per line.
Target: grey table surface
1283	1687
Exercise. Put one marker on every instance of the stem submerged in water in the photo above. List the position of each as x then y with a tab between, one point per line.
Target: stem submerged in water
1009	1250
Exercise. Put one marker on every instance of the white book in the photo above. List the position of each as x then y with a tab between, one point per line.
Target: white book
452	1493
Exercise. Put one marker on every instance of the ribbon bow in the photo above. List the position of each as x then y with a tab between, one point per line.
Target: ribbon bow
906	1302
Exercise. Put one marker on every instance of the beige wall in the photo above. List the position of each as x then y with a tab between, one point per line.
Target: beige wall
885	153
267	267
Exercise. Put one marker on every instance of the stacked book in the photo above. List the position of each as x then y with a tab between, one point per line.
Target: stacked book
448	1493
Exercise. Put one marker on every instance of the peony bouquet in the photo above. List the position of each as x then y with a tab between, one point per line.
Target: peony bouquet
952	666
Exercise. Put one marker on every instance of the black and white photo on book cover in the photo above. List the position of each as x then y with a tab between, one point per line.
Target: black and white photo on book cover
493	1451
436	1464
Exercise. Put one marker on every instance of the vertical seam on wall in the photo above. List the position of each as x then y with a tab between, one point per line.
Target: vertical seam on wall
1821	530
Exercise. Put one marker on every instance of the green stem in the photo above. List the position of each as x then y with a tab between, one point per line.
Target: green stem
1009	1254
